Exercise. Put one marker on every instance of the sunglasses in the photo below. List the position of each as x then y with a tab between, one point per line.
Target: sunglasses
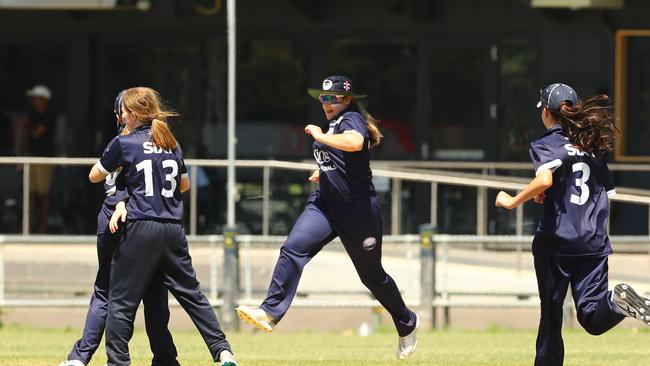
331	98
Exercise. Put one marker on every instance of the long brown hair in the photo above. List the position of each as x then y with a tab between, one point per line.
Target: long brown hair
145	106
588	125
373	124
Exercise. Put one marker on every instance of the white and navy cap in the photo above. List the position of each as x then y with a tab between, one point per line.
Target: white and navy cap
117	104
552	96
117	109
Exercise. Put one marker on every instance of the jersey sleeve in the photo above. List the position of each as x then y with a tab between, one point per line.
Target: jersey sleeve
610	188
544	157
182	169
121	193
112	157
353	123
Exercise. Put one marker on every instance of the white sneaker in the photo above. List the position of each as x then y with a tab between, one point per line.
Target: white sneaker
72	363
630	303
406	345
227	359
256	317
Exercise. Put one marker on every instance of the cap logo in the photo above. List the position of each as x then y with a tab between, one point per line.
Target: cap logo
346	85
327	84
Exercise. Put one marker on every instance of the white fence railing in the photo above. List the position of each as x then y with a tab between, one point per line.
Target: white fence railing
395	171
433	287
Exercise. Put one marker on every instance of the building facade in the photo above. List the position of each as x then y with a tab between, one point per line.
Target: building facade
449	79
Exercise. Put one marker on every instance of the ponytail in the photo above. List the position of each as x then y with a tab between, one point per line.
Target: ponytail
145	105
161	135
589	125
373	125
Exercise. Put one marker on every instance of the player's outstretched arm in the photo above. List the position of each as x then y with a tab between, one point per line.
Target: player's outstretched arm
315	176
542	182
349	142
96	174
185	184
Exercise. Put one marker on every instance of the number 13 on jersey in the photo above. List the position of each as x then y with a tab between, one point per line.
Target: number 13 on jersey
146	165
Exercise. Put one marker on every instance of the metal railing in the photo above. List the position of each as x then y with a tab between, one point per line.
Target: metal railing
396	171
428	249
439	295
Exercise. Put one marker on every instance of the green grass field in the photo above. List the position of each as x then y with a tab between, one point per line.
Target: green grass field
36	347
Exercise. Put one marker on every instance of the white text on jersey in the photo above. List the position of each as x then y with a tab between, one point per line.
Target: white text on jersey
150	148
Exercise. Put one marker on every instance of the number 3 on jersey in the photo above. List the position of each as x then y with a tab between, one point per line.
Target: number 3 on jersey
581	183
148	177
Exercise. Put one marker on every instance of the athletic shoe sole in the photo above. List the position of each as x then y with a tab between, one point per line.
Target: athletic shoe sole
401	356
244	315
632	303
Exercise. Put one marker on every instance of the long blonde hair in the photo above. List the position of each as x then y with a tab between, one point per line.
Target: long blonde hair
145	106
373	124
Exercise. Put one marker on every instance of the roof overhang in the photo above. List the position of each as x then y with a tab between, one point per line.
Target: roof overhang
578	4
75	4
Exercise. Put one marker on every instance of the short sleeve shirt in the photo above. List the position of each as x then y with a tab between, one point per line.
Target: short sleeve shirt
345	176
576	206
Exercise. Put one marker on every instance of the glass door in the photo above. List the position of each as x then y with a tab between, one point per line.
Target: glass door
458	103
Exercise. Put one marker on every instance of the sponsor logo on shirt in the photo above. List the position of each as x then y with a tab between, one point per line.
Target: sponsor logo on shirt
323	158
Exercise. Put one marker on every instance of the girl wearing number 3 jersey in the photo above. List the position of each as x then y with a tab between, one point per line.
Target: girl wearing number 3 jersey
152	242
571	244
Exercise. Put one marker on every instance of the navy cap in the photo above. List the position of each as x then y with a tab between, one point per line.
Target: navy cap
117	109
117	105
552	96
339	85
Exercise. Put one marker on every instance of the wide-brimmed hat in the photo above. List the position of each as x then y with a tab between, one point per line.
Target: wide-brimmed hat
338	85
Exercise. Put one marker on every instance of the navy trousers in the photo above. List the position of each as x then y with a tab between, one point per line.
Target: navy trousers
148	249
156	310
595	310
359	225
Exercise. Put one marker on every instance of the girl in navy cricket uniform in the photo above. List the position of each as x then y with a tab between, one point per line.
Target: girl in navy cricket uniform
571	244
346	206
156	310
152	242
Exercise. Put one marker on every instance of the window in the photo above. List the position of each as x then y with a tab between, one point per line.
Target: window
632	92
386	72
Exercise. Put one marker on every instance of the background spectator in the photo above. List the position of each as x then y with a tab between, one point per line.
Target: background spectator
40	142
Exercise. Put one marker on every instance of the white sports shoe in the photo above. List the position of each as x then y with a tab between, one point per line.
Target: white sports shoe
72	363
227	359
256	317
406	345
630	303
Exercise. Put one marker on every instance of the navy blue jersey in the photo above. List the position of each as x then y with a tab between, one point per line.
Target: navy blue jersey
576	207
115	189
345	176
152	175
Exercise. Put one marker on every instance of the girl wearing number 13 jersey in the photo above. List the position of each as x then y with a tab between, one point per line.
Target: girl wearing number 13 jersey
571	245
152	242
